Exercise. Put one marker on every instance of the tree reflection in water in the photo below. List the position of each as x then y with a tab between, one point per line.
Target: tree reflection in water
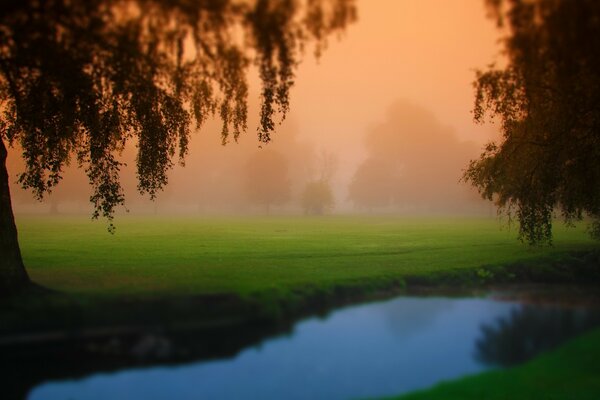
530	330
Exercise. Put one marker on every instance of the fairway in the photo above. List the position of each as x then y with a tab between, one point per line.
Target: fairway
246	255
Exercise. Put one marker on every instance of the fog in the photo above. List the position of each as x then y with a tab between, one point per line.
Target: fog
388	103
414	164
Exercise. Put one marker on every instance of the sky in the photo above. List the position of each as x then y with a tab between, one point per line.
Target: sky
420	53
424	51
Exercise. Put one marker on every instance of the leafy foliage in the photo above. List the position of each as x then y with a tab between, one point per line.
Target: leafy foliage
83	77
547	99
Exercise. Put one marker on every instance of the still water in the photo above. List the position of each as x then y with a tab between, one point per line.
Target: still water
371	350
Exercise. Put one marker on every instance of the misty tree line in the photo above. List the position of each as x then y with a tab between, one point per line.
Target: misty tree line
550	78
413	164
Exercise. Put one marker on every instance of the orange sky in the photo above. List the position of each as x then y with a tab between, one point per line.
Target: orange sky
422	50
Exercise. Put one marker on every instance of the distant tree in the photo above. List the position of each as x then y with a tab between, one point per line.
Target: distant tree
83	77
72	191
373	184
266	179
547	99
317	198
326	165
414	163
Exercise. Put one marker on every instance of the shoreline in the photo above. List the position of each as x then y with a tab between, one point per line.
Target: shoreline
74	314
81	335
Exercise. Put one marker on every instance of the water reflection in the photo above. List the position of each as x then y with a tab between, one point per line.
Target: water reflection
413	315
372	350
530	330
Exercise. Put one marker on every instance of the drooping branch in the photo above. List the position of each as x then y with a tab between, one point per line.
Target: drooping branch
84	77
546	99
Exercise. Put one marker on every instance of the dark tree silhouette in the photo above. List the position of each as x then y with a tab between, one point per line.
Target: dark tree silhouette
83	77
547	99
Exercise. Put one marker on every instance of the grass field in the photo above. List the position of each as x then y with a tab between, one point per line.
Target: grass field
244	255
570	372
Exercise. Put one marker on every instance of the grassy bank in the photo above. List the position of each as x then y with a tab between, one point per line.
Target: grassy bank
570	372
215	268
220	270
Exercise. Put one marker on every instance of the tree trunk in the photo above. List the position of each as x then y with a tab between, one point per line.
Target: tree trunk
12	271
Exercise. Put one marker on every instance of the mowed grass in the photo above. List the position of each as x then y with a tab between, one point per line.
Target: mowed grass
570	372
245	255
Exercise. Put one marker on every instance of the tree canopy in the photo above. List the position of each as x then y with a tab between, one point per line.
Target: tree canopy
83	77
317	197
414	163
373	184
547	100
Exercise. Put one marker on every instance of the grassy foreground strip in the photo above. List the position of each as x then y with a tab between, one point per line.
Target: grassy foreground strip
570	372
245	255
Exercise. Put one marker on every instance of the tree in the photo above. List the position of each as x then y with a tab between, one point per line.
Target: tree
317	198
547	100
373	184
266	178
84	77
414	164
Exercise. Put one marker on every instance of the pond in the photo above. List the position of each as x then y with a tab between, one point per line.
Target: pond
376	349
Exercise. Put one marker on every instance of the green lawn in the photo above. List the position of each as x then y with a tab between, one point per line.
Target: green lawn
571	372
244	255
